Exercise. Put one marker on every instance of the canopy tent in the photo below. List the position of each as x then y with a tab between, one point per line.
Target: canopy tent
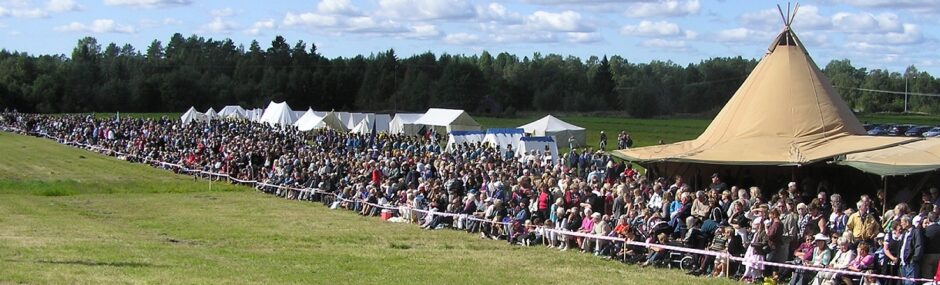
455	138
554	127
278	114
311	121
192	115
915	157
404	123
256	114
448	120
539	145
501	138
366	125
211	114
233	112
785	113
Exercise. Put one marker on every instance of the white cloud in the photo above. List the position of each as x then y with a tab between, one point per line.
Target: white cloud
663	8
148	3
867	23
151	23
578	37
309	19
921	6
338	7
743	35
225	12
425	9
422	32
219	25
664	44
99	26
911	34
60	6
567	21
461	39
807	18
258	26
651	29
497	13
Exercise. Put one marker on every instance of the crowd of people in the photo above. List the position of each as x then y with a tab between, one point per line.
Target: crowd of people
526	200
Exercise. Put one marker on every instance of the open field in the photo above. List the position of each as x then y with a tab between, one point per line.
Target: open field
76	217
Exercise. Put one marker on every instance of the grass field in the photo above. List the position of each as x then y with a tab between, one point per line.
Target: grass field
69	216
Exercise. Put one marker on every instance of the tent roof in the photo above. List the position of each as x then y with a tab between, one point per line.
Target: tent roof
407	118
311	121
233	111
550	124
915	157
446	117
785	113
278	114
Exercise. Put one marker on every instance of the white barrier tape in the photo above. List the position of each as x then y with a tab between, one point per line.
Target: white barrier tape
726	255
562	232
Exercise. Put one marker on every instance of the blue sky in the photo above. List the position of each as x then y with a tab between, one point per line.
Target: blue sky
890	34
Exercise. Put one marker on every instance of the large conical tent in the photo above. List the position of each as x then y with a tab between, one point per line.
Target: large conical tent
554	127
278	114
785	113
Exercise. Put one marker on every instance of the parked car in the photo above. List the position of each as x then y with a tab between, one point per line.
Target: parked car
917	131
880	130
898	130
932	132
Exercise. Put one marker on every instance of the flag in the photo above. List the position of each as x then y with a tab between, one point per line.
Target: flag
373	133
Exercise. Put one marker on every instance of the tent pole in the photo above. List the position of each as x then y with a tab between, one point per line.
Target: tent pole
884	204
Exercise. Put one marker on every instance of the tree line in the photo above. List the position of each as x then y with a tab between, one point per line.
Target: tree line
195	71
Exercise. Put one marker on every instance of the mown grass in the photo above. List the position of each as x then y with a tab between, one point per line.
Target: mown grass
68	216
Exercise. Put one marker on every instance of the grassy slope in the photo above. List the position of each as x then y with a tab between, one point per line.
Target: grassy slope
71	216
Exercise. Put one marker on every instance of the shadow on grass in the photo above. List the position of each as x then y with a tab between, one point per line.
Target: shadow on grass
130	264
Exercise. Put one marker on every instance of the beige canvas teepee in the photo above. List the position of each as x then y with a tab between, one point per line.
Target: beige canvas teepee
785	113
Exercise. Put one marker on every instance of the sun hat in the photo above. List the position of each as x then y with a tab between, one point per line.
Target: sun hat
820	237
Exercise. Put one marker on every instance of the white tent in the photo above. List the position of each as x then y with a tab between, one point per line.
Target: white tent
307	121
404	123
354	119
310	121
538	144
211	114
298	114
448	120
365	126
192	115
278	114
233	112
256	114
560	130
501	138
344	117
455	138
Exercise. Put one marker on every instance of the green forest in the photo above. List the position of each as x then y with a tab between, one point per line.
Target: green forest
195	71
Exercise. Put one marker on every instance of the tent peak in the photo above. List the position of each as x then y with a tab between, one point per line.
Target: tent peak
791	14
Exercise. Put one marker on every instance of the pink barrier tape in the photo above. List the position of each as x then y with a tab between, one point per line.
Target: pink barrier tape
549	230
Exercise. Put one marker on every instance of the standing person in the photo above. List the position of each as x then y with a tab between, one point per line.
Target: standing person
912	250
863	224
932	251
603	141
